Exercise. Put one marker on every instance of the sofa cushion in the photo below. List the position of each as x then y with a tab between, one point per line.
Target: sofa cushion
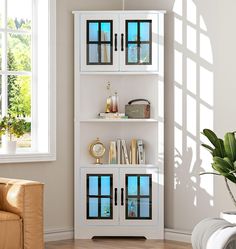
10	231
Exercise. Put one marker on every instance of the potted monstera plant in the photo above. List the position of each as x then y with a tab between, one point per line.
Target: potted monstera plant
223	153
13	127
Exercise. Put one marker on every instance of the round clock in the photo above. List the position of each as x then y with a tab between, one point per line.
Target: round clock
97	150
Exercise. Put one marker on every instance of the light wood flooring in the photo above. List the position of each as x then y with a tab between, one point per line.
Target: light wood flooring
117	244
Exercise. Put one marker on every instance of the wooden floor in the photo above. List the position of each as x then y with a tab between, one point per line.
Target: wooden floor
117	244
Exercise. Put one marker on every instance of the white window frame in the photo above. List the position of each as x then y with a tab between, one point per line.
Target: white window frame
43	115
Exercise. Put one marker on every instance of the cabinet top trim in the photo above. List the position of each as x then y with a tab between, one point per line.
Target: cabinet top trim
120	12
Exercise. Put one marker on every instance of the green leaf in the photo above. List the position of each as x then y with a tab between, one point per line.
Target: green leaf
230	146
235	164
232	178
216	152
217	142
208	147
211	136
223	164
222	147
229	162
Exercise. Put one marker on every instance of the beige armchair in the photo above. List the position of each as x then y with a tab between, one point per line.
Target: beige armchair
21	214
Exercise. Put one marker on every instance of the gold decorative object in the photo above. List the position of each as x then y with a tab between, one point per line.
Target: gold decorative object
97	150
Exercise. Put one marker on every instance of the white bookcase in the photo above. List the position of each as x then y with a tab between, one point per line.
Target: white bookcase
105	194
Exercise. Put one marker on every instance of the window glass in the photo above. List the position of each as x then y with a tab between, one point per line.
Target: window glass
144	31
144	207
93	207
105	31
93	31
132	207
1	36
105	185
132	185
93	185
2	7
19	52
132	53
132	31
19	15
105	207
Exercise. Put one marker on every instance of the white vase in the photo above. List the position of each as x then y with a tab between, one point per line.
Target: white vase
10	147
229	216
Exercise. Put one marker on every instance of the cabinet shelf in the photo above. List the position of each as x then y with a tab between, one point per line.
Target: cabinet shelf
119	166
96	120
120	73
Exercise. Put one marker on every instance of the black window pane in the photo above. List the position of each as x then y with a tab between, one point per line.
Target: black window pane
105	31
144	31
132	31
132	53
93	31
144	53
93	53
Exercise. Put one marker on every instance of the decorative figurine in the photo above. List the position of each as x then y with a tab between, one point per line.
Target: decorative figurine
109	99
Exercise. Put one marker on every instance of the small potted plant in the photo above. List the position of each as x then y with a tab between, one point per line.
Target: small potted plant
224	162
13	128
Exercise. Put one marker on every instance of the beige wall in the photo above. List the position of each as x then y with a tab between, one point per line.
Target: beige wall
184	189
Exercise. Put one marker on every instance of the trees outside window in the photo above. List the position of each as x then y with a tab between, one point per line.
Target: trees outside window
16	61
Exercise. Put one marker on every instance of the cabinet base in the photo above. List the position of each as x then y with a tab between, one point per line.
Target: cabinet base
144	232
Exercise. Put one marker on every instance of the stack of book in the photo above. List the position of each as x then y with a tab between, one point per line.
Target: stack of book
110	115
120	154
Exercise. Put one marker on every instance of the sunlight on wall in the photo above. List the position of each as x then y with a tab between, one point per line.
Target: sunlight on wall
194	101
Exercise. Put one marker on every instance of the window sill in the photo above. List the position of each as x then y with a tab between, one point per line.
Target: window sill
27	157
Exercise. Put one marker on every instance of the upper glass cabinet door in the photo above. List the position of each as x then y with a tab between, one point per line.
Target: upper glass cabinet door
139	40
99	42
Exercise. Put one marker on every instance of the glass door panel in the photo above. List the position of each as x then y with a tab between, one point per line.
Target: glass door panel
99	196
139	37
138	203
98	39
99	42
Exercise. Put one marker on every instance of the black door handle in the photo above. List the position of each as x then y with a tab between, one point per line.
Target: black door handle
122	42
115	196
115	42
122	197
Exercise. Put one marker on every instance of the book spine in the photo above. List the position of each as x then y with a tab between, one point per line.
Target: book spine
118	146
141	155
124	148
112	153
133	151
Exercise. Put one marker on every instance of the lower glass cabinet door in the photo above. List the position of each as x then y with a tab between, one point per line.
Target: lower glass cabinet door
99	196
138	203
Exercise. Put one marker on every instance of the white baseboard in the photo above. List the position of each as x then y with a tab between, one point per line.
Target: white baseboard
68	233
58	234
171	234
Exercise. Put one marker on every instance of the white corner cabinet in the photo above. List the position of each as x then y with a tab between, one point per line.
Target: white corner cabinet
125	48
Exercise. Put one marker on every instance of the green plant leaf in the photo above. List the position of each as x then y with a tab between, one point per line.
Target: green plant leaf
216	152
208	147
230	146
222	147
235	164
211	136
223	164
229	162
231	177
217	142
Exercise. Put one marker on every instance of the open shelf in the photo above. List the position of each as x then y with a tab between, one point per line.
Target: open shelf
119	73
112	120
119	165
